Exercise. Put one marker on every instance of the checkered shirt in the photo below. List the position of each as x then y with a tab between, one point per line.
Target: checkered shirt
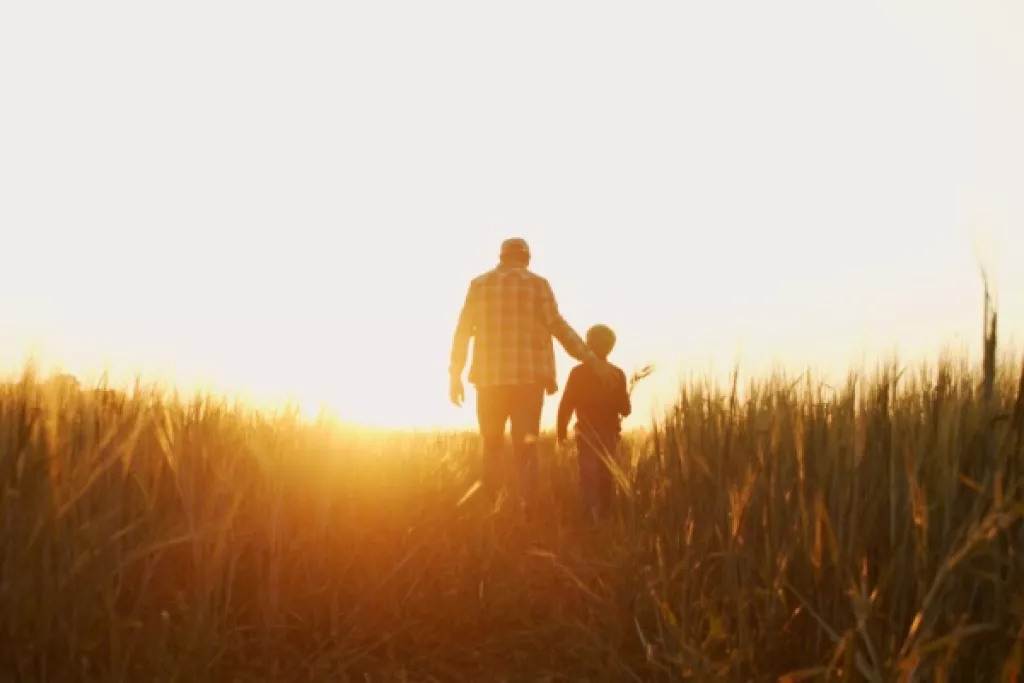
512	316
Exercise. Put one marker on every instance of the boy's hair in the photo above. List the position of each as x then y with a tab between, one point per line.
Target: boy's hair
601	340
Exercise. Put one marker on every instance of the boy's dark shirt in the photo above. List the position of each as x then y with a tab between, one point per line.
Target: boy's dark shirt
598	410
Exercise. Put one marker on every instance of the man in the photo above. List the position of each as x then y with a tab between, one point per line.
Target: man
512	315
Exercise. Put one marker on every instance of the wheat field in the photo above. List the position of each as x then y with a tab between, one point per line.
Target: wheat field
865	532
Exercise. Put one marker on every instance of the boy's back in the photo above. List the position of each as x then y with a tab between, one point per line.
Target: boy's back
598	410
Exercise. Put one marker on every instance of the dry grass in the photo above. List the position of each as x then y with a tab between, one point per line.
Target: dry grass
871	532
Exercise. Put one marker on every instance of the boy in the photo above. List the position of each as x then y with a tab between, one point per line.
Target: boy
599	412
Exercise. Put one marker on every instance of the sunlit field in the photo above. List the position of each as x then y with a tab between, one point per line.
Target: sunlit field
870	531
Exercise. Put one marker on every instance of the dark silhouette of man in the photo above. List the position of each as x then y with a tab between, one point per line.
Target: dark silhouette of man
511	314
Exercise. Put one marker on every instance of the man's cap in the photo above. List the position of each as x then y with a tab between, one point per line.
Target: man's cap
515	246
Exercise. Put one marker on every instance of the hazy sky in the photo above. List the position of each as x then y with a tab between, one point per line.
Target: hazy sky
292	197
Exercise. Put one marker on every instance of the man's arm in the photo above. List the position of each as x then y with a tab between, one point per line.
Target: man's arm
560	329
464	331
566	406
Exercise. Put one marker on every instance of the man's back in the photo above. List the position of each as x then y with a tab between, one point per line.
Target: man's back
512	315
511	342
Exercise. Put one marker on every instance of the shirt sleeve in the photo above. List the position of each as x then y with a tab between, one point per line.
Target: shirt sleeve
558	327
625	405
567	405
464	331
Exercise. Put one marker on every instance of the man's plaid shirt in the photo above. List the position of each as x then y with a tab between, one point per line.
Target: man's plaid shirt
512	316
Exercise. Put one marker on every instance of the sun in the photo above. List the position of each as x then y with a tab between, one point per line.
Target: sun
422	404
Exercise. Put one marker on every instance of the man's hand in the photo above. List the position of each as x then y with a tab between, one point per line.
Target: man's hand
456	392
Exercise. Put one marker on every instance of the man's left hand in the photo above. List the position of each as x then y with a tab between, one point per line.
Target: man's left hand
456	391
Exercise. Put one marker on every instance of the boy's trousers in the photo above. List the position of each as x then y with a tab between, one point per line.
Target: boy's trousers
596	482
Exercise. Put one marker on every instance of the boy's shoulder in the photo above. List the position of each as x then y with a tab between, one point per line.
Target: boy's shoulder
623	381
583	368
616	368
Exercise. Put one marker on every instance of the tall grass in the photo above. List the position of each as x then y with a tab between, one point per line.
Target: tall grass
866	532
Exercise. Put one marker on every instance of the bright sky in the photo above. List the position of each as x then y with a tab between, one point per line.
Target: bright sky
279	198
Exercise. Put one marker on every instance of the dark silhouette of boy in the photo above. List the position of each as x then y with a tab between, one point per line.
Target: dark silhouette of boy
599	410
